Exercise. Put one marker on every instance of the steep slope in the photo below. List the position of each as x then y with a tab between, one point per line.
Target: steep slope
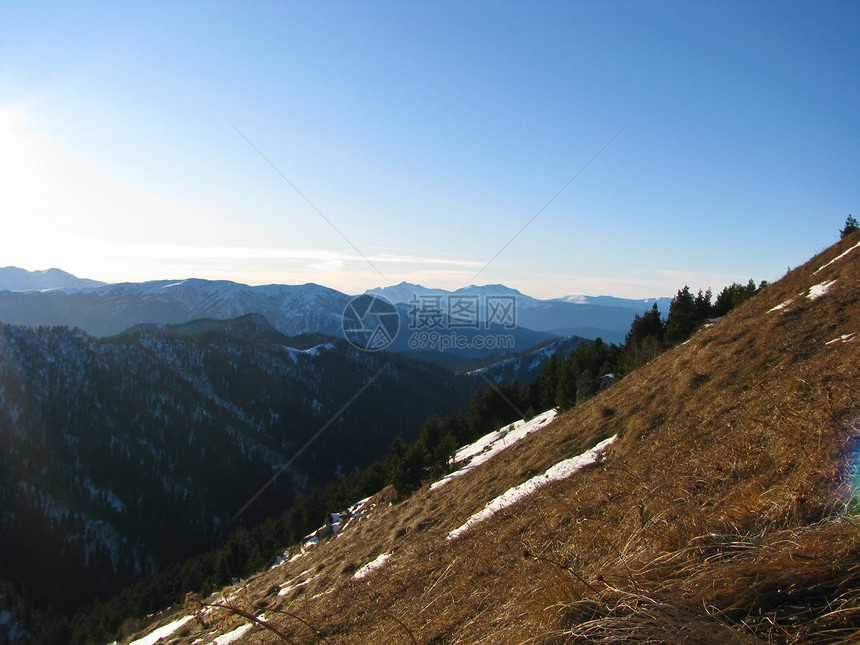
725	511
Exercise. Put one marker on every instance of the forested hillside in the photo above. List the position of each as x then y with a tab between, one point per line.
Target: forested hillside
119	456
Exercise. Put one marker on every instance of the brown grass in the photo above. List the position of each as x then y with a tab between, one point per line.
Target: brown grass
725	512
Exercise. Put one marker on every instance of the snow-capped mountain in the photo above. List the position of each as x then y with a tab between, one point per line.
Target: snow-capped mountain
15	279
55	298
406	292
606	317
110	309
637	304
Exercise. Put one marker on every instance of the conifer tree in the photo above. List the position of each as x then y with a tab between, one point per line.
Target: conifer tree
703	306
644	341
682	319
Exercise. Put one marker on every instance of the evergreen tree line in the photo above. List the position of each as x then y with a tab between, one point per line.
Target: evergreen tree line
564	382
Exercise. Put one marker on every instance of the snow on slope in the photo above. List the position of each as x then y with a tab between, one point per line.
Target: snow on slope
162	632
373	565
815	291
299	581
510	497
488	446
818	290
312	351
781	305
232	637
837	258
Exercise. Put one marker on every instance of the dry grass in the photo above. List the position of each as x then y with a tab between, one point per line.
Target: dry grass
725	512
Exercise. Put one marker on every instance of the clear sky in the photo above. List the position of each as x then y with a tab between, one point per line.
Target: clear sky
425	136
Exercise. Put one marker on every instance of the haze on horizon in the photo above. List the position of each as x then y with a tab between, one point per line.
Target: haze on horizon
358	146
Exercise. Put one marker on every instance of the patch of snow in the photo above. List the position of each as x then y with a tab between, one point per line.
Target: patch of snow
561	470
313	351
322	593
356	508
293	353
280	560
288	587
781	305
837	258
372	566
818	290
491	444
232	637
501	363
162	632
844	338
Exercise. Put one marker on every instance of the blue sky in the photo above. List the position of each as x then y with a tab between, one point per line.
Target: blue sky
429	134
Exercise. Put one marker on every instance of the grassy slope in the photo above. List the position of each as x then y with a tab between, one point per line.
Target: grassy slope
721	515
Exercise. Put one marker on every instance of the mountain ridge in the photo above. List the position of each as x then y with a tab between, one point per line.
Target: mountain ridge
16	279
107	309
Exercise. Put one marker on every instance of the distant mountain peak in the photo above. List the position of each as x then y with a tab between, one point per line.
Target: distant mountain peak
637	304
492	289
17	279
405	291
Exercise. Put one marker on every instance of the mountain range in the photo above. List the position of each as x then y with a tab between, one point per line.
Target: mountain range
53	297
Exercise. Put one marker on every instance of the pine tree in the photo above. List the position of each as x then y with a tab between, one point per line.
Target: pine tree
702	306
644	341
648	325
565	394
851	225
682	319
733	295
